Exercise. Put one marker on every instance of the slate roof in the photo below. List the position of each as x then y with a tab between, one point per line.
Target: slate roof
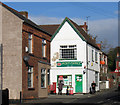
50	28
28	21
53	28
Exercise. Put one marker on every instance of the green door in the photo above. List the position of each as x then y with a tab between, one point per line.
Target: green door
78	83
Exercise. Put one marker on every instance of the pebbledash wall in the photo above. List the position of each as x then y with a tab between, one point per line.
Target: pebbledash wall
12	53
67	36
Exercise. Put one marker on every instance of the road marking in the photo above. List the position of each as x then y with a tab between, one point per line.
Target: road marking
100	102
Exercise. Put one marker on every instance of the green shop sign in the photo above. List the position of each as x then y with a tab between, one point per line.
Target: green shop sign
69	64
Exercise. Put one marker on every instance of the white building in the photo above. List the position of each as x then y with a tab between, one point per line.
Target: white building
74	57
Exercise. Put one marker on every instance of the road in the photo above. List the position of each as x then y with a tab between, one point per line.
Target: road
111	97
106	97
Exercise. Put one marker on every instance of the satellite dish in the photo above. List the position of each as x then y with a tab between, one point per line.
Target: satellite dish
26	58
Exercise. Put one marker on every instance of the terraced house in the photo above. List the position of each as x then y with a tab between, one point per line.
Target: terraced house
75	56
26	55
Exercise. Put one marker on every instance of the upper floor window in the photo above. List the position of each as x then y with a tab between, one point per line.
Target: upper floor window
96	56
30	43
68	52
119	64
30	77
43	47
93	55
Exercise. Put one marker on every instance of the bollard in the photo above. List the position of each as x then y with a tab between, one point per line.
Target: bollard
5	97
20	97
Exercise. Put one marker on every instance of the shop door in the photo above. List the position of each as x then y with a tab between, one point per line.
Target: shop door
78	83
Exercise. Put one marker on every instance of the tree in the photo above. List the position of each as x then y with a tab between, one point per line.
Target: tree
105	47
112	55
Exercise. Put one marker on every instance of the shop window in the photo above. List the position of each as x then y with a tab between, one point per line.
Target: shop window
30	77
68	52
30	43
43	47
43	78
66	79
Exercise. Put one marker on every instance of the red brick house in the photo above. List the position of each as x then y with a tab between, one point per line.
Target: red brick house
26	55
117	71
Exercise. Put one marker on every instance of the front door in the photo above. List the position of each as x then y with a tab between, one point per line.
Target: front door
78	83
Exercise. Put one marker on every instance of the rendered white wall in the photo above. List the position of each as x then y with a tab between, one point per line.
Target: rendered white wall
67	36
96	66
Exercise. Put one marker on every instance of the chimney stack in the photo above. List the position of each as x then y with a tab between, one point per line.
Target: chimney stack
85	27
24	13
99	45
118	54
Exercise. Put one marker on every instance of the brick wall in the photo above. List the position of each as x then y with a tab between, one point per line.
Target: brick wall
34	58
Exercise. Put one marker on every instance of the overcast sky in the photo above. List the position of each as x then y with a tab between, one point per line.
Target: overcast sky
102	16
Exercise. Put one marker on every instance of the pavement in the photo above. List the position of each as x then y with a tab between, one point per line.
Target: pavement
52	98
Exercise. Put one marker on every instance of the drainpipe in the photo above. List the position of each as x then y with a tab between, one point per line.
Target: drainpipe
87	67
1	65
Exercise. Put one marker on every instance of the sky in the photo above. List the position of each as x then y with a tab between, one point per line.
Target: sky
101	17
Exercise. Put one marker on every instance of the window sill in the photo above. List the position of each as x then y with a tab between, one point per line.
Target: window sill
45	58
43	88
68	59
31	88
31	54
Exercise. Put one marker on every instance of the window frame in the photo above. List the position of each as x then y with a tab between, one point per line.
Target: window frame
30	42
44	44
48	76
68	52
96	78
32	77
118	64
44	78
96	57
92	55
